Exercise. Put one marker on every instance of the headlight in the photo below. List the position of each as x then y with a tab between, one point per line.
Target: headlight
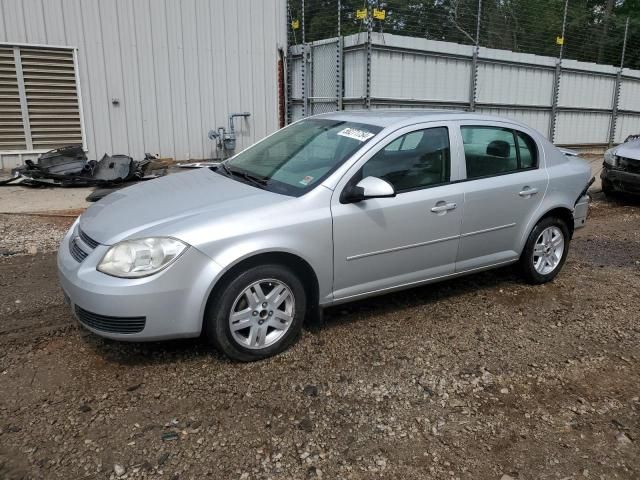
610	157
140	258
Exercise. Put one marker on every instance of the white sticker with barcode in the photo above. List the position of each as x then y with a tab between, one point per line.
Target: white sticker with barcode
360	135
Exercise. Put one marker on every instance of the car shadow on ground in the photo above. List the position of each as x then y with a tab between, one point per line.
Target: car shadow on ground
421	296
617	199
150	353
174	351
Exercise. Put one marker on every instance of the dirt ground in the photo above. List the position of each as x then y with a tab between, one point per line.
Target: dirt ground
477	378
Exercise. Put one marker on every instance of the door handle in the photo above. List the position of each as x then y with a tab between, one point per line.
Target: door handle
527	192
441	207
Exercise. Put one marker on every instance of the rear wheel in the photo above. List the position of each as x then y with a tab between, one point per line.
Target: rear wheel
545	251
257	314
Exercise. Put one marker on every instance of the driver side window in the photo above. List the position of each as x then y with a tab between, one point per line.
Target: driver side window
415	160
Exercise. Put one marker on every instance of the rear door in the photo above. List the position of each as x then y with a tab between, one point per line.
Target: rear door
383	243
505	182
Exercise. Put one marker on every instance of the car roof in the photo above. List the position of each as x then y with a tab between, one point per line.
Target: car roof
384	117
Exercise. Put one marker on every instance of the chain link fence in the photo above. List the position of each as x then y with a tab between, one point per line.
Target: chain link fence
339	49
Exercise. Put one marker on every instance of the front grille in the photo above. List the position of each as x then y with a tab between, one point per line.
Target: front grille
108	324
629	165
81	245
87	239
76	252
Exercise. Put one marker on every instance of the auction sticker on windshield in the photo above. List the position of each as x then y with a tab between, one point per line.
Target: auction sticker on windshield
360	135
306	180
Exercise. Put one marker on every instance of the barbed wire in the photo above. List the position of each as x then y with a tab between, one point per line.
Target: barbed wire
533	27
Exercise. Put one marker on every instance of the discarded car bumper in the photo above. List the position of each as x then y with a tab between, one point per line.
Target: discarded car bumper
622	180
169	304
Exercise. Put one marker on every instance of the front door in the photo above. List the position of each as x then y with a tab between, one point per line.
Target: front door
383	243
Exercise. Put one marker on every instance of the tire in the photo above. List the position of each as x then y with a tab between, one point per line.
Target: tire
263	325
607	189
541	259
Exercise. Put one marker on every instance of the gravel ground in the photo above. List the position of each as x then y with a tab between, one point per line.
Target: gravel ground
478	378
31	234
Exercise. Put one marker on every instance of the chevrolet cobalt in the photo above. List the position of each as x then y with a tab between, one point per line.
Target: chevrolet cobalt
330	209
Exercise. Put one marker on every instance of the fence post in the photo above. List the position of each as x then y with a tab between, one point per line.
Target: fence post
304	74
617	88
473	86
556	79
307	79
304	38
289	66
339	53
367	98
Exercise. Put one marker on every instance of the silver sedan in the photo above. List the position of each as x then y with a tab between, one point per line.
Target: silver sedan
331	209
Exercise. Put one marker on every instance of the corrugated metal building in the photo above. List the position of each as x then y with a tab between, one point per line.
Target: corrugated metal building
136	76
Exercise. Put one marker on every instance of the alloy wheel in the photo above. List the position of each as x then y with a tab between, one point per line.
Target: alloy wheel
548	250
262	314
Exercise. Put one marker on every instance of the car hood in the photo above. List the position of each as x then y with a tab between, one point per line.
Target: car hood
630	149
156	203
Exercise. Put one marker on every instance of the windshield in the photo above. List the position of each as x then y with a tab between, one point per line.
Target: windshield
295	159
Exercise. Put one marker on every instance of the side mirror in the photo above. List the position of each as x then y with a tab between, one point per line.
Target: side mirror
370	187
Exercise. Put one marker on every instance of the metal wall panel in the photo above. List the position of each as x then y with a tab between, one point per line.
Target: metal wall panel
537	119
630	94
628	124
355	73
514	84
586	90
582	128
174	68
410	72
409	75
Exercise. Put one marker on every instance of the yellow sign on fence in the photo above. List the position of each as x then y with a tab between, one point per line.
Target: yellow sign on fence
295	24
560	40
379	14
361	14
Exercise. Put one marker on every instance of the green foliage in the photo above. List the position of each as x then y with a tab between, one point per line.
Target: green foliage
594	29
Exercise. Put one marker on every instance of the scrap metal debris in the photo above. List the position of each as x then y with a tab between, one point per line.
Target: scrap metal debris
69	167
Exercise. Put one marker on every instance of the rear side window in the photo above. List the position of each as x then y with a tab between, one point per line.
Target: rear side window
493	151
528	151
416	160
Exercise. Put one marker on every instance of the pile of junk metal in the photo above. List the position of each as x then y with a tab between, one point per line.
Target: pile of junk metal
69	167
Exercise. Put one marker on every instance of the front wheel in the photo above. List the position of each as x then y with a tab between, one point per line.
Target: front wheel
545	251
257	314
607	189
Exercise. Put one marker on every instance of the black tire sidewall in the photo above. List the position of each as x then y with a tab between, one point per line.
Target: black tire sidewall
607	188
217	321
526	260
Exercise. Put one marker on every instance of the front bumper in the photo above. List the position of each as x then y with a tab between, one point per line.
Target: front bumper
169	304
621	180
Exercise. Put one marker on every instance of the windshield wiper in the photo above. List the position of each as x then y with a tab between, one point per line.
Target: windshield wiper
226	169
262	181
